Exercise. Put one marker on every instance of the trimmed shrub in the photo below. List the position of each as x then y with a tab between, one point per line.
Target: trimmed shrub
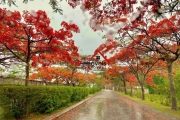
20	101
79	93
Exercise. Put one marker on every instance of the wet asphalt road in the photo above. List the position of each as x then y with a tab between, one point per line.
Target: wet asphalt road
108	105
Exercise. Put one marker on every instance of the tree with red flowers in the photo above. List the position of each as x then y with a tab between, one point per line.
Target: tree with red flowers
8	21
140	27
45	74
52	74
117	7
145	33
131	78
162	38
119	72
139	64
79	78
73	66
32	39
137	25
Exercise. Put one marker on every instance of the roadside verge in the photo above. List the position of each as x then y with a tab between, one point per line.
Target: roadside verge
157	107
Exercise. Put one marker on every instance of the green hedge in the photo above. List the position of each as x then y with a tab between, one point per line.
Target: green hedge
19	101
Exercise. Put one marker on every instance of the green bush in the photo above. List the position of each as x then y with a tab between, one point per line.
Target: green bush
20	101
159	89
79	94
94	90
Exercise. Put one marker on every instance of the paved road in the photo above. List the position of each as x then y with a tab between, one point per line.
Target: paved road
108	105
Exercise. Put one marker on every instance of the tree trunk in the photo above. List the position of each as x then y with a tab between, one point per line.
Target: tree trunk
142	92
171	85
125	90
27	74
68	83
26	84
57	82
72	77
131	89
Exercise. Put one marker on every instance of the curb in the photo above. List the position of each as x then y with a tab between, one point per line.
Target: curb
55	115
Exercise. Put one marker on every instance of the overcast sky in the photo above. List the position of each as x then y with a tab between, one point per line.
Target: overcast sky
87	40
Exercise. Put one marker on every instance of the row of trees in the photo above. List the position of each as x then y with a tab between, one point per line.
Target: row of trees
28	39
148	31
156	81
152	35
64	76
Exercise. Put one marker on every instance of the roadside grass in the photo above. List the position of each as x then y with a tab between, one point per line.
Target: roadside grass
155	104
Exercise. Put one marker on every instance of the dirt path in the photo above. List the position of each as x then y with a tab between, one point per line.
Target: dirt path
108	105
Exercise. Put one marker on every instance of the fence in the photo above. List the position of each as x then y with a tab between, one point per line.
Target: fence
22	82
